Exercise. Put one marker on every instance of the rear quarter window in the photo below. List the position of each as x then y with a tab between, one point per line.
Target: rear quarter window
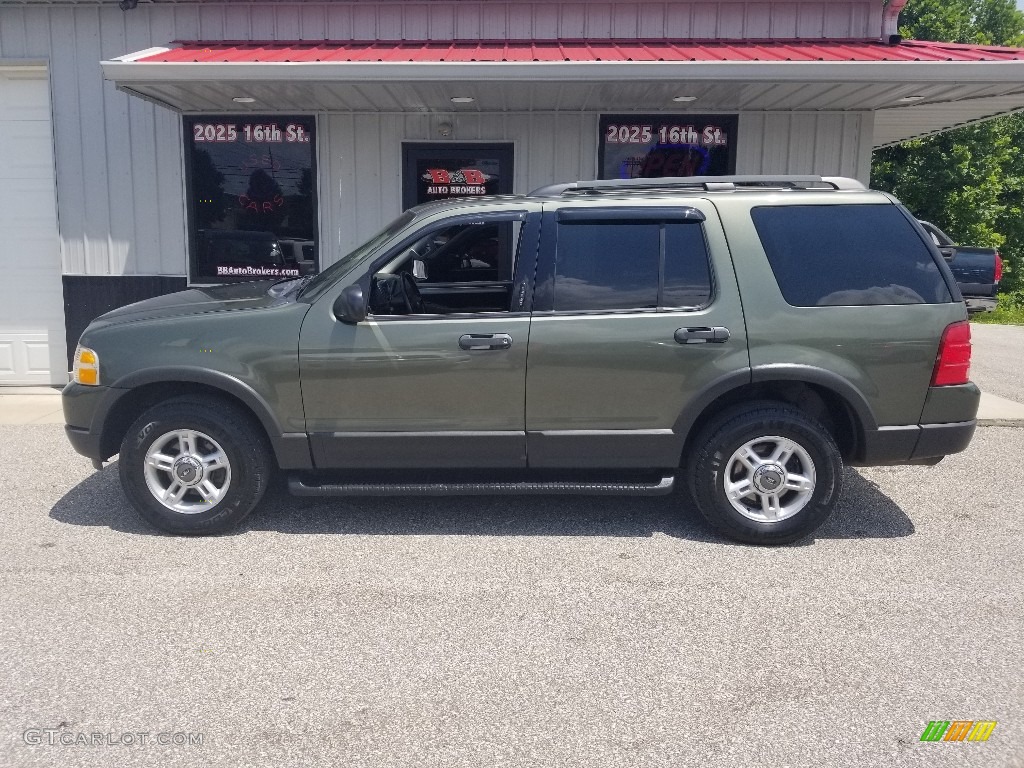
848	255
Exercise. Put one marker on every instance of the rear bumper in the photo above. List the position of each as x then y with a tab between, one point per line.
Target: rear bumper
947	426
913	444
943	439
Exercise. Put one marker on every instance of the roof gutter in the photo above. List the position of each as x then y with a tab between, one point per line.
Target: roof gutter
891	20
138	73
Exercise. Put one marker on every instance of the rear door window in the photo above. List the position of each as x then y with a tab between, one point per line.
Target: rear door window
614	265
848	255
687	275
607	265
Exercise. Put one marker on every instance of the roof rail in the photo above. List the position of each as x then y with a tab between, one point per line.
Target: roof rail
707	183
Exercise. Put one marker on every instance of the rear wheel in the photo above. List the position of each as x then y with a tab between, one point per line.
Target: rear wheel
193	466
766	474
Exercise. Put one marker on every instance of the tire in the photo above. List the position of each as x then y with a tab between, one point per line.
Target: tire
208	459
760	448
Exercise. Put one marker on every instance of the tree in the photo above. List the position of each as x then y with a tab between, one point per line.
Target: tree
969	181
985	22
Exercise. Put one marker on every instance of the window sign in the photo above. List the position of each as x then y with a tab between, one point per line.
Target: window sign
438	172
652	146
251	194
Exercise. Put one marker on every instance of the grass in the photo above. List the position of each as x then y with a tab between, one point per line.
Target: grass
1009	311
1000	315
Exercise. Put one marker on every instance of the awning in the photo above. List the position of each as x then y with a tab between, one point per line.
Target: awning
915	88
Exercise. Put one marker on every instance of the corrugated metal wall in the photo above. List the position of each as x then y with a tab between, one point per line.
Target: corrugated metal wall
826	143
119	183
119	178
361	170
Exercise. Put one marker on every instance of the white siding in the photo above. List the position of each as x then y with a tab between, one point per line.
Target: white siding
361	184
577	19
119	183
361	181
32	348
825	143
119	167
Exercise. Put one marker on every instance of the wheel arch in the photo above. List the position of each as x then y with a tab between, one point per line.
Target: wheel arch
819	393
150	387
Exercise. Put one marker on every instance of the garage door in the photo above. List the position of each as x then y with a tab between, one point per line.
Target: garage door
32	347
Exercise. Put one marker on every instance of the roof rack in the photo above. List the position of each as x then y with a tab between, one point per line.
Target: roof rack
707	183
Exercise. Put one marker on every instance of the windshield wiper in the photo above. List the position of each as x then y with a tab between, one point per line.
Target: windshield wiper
288	284
302	285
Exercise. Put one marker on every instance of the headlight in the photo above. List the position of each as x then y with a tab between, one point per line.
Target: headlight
87	367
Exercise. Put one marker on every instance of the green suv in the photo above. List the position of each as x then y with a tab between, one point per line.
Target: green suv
743	336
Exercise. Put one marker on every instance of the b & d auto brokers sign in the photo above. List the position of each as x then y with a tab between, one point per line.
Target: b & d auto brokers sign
652	146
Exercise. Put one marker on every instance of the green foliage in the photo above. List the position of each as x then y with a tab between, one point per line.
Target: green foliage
986	22
970	181
1009	312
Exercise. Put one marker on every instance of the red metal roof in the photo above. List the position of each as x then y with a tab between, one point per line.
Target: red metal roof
580	51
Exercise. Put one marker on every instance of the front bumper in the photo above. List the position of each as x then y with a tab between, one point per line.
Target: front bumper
85	414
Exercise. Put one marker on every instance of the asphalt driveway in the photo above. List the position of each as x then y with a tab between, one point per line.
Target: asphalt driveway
510	632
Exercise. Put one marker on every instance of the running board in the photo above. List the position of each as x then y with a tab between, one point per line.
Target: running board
661	487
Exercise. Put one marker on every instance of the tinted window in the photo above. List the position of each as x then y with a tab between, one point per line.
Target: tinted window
607	265
850	255
687	275
251	196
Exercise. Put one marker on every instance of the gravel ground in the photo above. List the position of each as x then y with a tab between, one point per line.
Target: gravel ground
997	365
512	632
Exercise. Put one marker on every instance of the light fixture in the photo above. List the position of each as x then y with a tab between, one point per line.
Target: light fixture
908	99
243	99
462	99
444	129
683	99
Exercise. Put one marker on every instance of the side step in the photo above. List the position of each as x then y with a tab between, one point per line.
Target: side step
661	487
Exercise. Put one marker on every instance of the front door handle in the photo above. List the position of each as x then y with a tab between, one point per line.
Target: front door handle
475	341
716	335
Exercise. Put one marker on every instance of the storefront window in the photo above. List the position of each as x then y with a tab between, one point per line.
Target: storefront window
652	146
251	192
438	172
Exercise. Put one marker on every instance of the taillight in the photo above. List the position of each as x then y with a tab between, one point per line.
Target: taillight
953	363
999	268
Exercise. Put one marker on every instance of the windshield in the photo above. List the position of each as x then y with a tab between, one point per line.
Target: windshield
320	283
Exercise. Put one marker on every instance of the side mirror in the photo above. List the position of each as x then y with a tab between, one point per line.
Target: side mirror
419	269
350	306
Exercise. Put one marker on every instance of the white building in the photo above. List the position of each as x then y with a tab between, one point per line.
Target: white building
176	143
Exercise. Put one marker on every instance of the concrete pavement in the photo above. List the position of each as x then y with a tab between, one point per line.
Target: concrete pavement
503	631
30	405
500	631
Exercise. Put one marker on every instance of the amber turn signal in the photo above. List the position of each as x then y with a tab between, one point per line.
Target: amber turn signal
87	367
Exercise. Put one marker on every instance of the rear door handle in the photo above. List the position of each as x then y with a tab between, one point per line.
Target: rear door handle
715	335
476	341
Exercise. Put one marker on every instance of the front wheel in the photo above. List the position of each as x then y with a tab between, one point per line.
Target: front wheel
194	467
766	474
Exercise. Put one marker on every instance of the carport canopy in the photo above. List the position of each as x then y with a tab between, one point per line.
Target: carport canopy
914	88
